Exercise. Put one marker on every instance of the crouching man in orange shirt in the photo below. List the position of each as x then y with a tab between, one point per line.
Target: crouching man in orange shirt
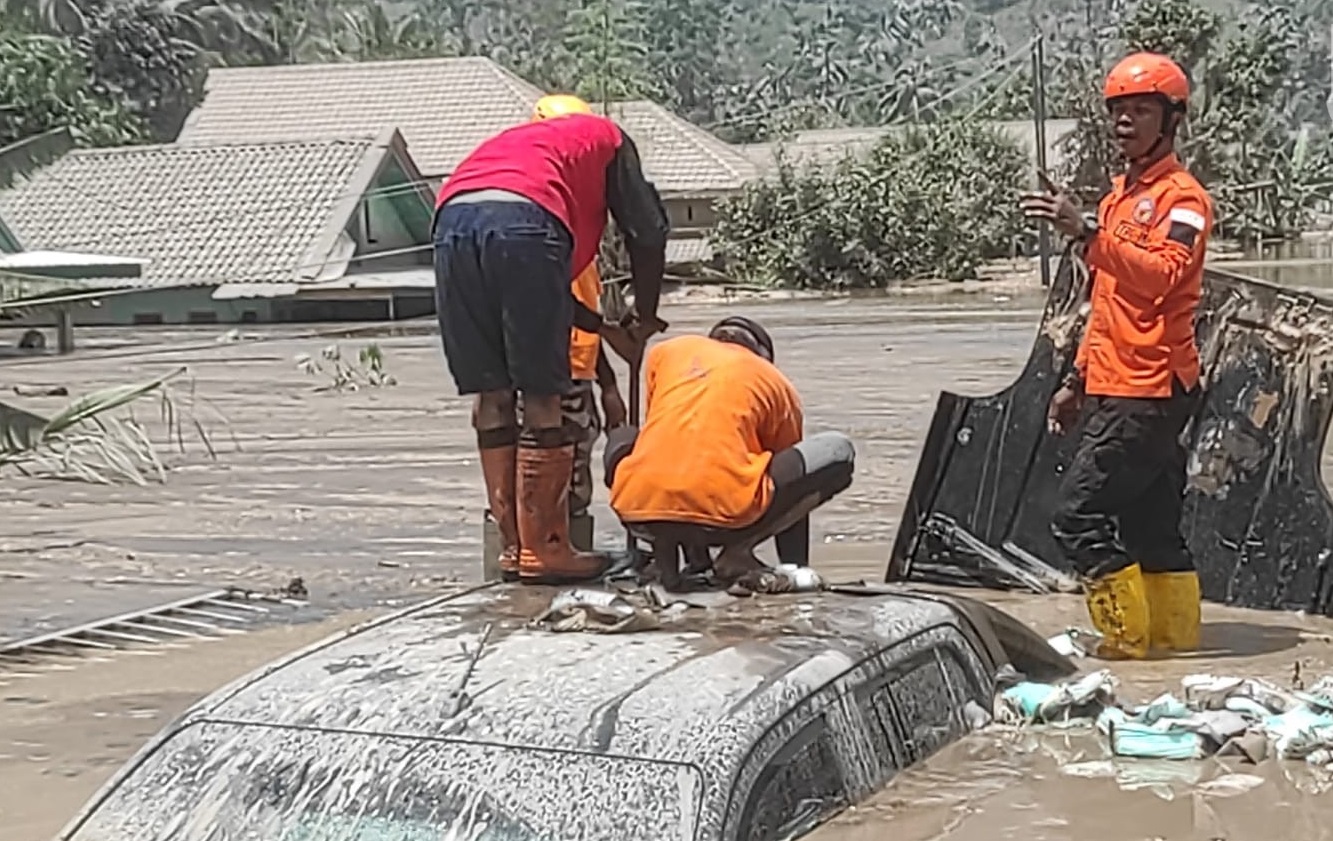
721	460
1136	377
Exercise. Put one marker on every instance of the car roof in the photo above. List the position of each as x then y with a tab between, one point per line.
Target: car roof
716	678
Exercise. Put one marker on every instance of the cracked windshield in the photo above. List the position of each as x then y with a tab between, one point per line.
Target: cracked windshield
723	420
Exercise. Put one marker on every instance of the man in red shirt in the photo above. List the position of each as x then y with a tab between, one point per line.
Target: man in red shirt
511	224
1136	376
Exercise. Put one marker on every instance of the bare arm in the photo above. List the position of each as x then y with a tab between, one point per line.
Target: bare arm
606	375
637	208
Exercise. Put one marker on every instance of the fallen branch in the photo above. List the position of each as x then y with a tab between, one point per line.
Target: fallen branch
85	442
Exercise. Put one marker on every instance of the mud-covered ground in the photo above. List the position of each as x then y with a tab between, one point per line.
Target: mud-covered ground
373	497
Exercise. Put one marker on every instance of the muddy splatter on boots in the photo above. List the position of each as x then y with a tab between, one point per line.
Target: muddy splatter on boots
546	556
1175	610
499	469
1118	606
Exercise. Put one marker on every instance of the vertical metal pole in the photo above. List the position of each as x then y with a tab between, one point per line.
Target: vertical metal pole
635	407
1039	136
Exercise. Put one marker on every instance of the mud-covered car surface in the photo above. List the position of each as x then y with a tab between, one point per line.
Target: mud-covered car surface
455	719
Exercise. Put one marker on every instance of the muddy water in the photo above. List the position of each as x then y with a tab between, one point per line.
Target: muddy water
372	497
1300	264
63	733
1003	784
1031	787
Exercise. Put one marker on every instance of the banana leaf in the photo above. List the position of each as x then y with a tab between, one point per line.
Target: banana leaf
84	442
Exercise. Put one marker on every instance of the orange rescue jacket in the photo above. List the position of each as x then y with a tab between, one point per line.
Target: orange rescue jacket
1147	272
716	414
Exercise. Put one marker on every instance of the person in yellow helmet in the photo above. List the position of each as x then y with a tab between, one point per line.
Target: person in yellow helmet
558	105
520	217
588	363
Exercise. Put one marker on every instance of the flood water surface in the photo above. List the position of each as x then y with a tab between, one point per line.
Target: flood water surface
1054	787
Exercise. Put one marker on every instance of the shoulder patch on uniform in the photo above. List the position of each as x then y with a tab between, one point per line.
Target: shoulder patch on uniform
1183	234
1185	216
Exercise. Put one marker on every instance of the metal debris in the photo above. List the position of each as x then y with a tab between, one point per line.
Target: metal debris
209	615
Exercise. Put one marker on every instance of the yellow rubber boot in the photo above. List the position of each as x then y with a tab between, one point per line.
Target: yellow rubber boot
1174	605
1118	606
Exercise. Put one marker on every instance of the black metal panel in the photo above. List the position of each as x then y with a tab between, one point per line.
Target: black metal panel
1257	514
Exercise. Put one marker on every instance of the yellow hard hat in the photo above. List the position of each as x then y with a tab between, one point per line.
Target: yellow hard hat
558	105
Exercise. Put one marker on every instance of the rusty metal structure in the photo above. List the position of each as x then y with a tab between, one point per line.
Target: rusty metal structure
1257	515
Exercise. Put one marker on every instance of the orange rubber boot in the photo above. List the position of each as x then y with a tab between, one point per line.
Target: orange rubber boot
546	556
499	469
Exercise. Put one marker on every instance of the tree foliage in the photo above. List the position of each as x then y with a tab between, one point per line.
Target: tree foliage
933	200
148	57
45	84
141	55
1257	131
604	52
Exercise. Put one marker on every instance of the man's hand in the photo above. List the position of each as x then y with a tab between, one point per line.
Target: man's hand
614	413
1056	208
626	345
630	337
1063	410
644	329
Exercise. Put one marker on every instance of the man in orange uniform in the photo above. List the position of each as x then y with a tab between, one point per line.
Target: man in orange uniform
1136	375
722	450
588	364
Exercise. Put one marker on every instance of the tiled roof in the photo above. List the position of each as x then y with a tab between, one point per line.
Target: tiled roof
688	251
203	214
444	107
677	155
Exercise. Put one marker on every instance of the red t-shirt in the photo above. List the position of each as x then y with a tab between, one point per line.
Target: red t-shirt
559	164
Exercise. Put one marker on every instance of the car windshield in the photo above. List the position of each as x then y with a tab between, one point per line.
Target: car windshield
227	782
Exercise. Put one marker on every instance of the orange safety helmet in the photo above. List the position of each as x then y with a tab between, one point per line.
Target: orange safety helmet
558	105
1148	73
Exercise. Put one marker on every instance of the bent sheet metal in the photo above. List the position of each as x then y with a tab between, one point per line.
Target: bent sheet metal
1257	515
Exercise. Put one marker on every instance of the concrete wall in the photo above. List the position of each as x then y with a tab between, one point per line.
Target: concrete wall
192	305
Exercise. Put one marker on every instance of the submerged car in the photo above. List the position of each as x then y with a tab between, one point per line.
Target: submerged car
458	719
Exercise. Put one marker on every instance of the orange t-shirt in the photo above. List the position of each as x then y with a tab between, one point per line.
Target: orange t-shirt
716	414
1147	261
583	346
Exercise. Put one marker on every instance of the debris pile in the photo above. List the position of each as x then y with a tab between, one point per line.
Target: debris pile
1218	716
624	609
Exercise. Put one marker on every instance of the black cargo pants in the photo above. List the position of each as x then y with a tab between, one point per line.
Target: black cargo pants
1122	497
